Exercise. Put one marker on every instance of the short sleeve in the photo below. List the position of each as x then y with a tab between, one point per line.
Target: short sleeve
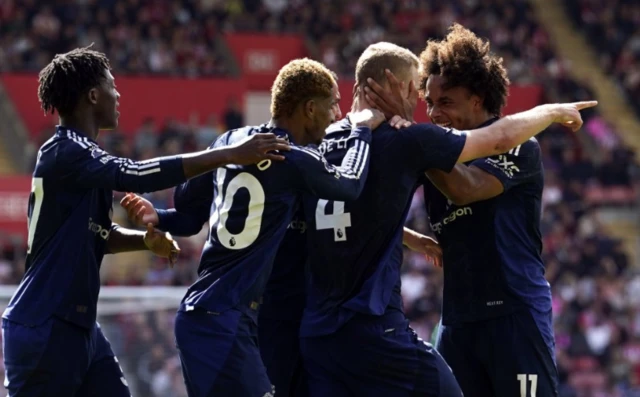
428	146
516	166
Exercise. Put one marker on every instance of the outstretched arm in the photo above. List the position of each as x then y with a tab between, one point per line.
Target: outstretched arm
86	165
127	240
192	201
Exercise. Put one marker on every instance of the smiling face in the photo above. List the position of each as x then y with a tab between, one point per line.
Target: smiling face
453	107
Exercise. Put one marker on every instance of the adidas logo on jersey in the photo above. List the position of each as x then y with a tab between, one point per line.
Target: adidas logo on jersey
99	230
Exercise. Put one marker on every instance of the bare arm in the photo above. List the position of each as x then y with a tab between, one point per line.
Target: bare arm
249	151
466	184
125	240
516	129
423	244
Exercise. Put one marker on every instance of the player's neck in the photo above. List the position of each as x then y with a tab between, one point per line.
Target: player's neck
481	119
359	104
85	125
295	129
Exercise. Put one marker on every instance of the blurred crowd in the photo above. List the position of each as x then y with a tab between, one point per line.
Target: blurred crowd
613	28
596	286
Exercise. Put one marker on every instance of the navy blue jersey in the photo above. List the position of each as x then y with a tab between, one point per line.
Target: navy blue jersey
69	213
355	247
284	295
492	248
252	209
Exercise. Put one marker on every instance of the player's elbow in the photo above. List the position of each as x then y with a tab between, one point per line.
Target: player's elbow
503	142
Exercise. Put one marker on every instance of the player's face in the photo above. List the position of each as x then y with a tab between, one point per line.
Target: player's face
324	114
450	107
337	113
107	103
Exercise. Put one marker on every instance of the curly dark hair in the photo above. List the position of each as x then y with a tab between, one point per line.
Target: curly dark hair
465	60
69	76
298	81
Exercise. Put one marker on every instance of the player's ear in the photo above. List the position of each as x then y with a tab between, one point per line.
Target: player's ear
478	102
93	95
310	108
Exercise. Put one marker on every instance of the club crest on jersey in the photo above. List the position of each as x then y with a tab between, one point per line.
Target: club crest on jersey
97	152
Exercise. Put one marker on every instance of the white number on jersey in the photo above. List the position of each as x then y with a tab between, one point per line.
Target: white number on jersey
533	379
339	221
223	204
37	193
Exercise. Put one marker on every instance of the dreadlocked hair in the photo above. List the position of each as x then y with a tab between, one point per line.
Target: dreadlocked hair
465	60
69	76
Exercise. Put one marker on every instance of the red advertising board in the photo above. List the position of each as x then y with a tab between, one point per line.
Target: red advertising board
141	97
160	99
14	199
261	56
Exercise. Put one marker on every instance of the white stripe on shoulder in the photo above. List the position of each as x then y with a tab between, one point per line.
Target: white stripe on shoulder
74	138
314	154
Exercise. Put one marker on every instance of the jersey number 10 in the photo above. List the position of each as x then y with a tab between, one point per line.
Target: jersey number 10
223	203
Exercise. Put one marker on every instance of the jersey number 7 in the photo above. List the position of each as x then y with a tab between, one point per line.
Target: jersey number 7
339	220
35	204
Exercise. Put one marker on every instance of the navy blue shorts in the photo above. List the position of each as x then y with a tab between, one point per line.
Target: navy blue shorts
219	354
280	350
501	357
58	358
376	356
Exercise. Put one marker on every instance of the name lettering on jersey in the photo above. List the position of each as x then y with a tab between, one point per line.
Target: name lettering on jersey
331	145
495	303
297	224
456	214
99	230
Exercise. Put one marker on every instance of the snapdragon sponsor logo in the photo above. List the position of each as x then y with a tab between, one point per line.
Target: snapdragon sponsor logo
452	217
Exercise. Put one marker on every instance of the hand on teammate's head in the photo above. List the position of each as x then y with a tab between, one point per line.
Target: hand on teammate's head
392	101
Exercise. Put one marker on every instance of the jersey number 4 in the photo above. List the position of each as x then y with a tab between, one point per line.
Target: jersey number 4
339	220
223	203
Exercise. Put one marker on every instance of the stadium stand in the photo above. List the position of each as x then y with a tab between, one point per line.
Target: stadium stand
613	30
595	281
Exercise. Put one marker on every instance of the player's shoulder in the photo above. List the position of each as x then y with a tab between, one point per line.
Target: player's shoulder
338	129
530	148
66	146
236	135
